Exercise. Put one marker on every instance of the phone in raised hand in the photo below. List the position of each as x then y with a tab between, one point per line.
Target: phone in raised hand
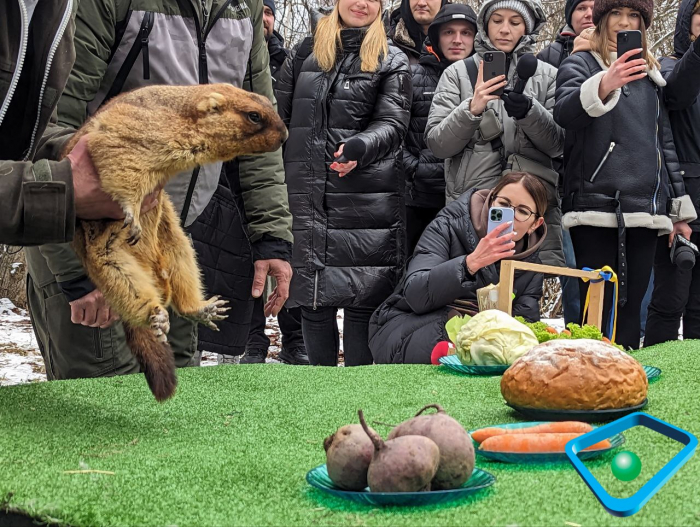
494	66
627	41
498	216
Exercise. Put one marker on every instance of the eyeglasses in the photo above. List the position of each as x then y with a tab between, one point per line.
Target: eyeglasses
522	213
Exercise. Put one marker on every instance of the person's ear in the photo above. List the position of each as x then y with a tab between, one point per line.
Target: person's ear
536	225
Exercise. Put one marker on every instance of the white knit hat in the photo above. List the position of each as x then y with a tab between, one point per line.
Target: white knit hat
515	5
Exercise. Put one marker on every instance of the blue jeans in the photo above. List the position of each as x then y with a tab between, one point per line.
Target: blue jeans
569	285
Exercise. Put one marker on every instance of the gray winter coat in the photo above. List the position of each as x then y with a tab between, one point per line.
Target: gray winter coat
452	132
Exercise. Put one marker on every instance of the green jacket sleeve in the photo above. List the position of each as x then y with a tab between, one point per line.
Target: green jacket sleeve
37	196
94	35
262	177
95	24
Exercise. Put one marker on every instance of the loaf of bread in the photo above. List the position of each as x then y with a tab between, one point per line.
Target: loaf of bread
575	375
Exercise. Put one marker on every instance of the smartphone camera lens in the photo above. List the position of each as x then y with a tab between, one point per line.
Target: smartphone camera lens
488	57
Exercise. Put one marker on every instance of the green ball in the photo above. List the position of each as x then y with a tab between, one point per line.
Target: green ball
626	466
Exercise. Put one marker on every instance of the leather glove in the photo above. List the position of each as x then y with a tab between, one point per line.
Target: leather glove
516	104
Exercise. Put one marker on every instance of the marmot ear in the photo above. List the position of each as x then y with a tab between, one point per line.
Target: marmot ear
211	103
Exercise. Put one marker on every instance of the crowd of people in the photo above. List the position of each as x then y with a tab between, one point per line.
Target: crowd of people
598	156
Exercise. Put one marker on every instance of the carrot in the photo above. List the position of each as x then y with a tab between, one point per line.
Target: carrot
546	428
534	443
551	330
606	339
566	332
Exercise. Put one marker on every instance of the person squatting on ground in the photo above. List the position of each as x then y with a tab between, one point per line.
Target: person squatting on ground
579	16
622	185
450	38
464	107
454	258
75	328
677	291
349	232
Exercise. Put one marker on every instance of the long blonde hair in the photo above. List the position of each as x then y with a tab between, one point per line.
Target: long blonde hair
601	45
327	40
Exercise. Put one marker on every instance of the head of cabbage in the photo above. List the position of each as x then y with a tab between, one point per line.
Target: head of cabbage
492	338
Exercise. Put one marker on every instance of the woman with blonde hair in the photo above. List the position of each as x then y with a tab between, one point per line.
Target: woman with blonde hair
346	83
622	184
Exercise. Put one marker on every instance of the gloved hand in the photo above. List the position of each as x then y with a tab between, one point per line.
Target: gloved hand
516	104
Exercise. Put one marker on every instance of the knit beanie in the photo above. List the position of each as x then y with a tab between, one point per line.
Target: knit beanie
645	7
514	5
571	6
271	5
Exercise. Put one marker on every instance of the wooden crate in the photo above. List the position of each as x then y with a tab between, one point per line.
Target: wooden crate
597	289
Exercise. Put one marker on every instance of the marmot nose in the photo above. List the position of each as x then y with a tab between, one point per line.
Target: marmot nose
284	134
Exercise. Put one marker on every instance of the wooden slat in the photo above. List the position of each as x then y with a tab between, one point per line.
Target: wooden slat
505	286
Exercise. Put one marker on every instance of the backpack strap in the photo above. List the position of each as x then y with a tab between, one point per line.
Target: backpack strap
473	72
141	43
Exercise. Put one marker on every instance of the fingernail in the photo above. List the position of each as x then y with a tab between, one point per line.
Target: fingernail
256	292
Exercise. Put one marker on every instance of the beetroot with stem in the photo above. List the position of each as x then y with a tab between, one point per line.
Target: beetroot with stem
455	444
404	464
348	454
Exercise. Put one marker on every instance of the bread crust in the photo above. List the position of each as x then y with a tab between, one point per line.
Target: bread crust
575	375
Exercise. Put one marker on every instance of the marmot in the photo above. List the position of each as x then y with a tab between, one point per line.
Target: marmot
138	141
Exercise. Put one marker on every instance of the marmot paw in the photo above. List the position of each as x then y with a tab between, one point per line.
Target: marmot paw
213	310
160	324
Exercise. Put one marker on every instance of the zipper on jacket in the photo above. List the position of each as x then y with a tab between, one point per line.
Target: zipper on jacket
145	31
602	161
315	305
47	70
24	43
658	158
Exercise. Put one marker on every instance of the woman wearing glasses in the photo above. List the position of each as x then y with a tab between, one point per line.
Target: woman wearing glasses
454	257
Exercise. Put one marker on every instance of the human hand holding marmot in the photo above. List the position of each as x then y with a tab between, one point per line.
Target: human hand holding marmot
483	91
281	271
491	249
91	202
621	73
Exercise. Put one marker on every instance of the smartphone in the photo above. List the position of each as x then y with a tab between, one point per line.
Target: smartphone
494	66
628	40
498	216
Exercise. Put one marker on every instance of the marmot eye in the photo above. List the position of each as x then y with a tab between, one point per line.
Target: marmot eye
254	117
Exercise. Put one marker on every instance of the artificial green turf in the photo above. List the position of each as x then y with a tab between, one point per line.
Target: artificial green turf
234	445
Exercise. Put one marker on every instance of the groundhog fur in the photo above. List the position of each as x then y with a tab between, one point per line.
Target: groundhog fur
142	265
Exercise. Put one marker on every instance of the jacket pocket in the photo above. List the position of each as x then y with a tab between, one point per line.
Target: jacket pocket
602	162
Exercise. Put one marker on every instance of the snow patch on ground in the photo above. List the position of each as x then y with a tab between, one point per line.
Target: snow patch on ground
20	360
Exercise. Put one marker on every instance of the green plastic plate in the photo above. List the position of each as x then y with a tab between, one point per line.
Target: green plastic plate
480	479
544	457
453	362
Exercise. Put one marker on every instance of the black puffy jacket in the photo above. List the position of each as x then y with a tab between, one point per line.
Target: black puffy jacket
560	49
278	54
682	73
619	155
425	173
349	232
407	326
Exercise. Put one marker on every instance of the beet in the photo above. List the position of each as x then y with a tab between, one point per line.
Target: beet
348	454
456	447
404	464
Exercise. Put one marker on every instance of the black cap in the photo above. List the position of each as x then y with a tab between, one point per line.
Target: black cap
449	13
569	10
